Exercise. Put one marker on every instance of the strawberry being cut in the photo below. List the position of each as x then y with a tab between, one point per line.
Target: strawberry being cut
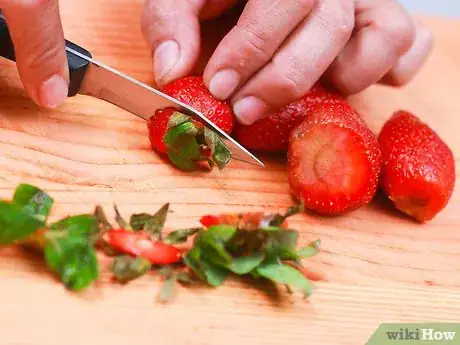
271	134
333	160
187	141
192	91
418	172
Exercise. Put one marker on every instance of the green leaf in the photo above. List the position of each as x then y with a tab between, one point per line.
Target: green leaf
34	200
126	268
168	289
153	224
180	236
220	153
101	219
185	278
84	225
181	139
245	264
177	119
69	251
281	273
16	223
278	219
222	232
310	250
180	162
212	274
122	223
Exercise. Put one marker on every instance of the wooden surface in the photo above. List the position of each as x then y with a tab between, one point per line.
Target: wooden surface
378	266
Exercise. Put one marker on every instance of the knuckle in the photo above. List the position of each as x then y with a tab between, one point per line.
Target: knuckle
42	55
400	31
291	79
339	22
256	44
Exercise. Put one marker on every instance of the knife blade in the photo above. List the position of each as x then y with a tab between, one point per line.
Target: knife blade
93	78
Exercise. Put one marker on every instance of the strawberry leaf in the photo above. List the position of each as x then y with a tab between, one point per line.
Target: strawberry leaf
181	139
101	219
281	273
33	200
168	289
309	250
126	268
177	119
69	251
245	264
278	219
153	224
122	223
221	155
184	164
180	236
16	223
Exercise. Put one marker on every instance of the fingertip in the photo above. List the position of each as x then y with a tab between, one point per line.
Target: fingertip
165	58
250	109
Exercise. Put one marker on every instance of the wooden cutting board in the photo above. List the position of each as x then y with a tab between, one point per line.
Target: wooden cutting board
377	265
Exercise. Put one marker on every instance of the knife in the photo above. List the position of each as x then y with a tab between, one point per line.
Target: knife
93	78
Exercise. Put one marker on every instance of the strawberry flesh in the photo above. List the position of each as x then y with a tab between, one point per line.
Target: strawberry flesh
333	160
418	172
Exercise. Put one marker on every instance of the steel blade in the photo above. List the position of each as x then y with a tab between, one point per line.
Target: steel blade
108	84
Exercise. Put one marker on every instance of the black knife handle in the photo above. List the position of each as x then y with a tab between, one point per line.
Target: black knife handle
77	65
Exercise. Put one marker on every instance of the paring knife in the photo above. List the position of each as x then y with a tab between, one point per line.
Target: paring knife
93	78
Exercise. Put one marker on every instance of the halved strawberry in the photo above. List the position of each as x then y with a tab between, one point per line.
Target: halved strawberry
333	160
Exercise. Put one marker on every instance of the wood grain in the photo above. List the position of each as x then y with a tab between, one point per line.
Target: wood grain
378	266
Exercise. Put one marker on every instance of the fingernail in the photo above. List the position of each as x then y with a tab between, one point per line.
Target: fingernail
224	83
250	109
53	92
165	58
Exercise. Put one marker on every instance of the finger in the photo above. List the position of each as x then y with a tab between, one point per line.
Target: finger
410	63
171	28
299	63
384	32
261	29
39	49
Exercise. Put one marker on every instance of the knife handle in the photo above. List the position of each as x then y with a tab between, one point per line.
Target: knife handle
77	65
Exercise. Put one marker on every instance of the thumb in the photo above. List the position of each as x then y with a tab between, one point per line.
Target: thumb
172	30
39	44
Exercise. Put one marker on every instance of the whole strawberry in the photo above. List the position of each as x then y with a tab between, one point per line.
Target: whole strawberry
333	160
418	172
192	91
271	134
185	141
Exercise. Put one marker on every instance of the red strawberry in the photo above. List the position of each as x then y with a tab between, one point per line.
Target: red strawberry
418	172
140	244
271	134
193	92
185	141
333	160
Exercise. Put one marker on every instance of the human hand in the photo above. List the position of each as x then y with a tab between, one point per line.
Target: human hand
279	48
36	32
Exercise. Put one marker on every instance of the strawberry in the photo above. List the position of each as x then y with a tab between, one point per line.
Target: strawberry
192	92
271	134
140	244
333	160
418	172
186	141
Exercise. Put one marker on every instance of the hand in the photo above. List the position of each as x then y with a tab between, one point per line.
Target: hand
279	48
36	32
